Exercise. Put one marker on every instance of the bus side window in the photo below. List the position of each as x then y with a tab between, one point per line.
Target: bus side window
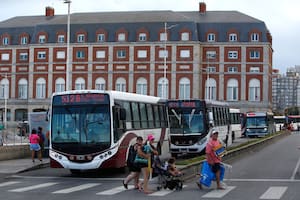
119	116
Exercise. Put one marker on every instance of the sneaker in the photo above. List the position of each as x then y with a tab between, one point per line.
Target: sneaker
125	185
199	185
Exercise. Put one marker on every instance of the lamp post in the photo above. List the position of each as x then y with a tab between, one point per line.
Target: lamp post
164	87
5	95
68	47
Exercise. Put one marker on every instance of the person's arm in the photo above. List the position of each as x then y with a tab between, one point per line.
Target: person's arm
141	153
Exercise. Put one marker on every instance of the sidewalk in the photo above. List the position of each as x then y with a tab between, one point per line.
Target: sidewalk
21	165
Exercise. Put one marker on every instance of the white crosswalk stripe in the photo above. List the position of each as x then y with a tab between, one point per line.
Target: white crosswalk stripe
113	191
8	183
76	188
33	187
273	193
164	192
218	193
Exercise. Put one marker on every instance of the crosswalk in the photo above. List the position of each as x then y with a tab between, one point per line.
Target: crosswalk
272	192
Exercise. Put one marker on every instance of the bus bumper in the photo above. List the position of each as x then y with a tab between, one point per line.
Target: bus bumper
195	148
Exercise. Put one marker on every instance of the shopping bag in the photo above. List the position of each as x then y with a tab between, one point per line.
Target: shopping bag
207	176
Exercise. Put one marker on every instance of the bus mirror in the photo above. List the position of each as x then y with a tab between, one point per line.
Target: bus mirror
211	118
122	114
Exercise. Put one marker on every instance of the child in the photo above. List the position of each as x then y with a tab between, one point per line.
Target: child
172	168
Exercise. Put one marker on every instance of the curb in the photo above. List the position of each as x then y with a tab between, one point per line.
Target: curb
191	170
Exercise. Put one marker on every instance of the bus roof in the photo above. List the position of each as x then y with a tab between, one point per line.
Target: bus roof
116	95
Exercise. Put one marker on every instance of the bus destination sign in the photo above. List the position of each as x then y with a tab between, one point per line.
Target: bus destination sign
85	98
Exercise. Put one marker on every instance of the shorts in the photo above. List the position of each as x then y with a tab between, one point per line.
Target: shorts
35	147
134	168
215	167
141	165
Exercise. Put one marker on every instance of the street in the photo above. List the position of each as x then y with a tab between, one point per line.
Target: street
269	173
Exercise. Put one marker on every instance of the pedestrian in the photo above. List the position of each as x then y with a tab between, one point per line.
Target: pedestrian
214	158
42	139
134	169
172	169
143	159
35	147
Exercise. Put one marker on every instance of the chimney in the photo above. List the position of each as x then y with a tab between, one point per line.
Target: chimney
49	11
202	8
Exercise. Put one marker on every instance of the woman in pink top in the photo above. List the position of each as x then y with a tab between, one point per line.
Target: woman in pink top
212	158
34	140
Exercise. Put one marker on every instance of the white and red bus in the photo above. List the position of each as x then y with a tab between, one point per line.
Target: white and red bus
235	123
92	129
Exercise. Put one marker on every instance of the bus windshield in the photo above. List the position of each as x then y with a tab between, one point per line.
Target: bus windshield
186	121
84	124
256	121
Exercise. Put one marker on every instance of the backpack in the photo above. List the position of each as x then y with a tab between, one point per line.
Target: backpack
131	156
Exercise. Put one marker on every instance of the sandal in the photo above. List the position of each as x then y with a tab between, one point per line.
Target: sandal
125	185
199	185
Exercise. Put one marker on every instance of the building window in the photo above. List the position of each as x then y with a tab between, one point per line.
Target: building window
232	54
163	36
22	89
23	56
60	38
5	56
24	40
142	37
80	54
211	69
121	37
254	90
79	84
232	37
42	39
101	37
41	88
41	55
254	54
5	41
254	69
211	89
185	53
163	53
184	88
232	90
100	84
141	86
100	54
121	54
80	38
211	37
211	54
121	85
4	89
185	36
60	55
254	37
232	69
163	88
60	85
142	54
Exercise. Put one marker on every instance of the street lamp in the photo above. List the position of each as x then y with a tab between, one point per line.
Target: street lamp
164	87
5	95
68	47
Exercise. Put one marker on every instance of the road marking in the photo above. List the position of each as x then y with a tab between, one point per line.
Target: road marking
273	193
261	180
164	192
295	170
76	188
114	190
218	193
8	183
43	185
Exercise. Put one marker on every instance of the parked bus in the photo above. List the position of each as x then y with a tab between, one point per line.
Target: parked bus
92	129
235	123
191	123
259	124
280	121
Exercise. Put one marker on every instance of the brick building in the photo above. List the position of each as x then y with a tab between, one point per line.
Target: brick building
221	55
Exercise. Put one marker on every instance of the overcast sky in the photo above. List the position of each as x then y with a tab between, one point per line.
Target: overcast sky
282	17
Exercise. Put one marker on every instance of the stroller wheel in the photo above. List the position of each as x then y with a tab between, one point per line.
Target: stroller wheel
158	188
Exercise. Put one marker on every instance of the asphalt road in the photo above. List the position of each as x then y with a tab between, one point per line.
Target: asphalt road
268	173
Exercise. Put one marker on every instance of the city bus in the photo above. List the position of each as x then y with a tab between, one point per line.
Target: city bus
92	129
259	124
280	120
294	122
235	123
191	123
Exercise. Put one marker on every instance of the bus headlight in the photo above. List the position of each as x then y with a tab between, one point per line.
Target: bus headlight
265	129
202	141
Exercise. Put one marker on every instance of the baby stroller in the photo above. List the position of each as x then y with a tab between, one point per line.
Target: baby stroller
165	179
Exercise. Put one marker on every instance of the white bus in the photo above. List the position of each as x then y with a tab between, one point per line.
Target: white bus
235	123
191	123
92	129
259	124
279	122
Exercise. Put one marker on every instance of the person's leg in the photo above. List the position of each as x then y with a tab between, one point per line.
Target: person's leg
40	155
136	180
146	179
32	155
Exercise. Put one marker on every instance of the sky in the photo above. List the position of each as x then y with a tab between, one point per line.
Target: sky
282	17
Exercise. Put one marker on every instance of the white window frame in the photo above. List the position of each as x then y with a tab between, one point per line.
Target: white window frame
60	85
40	88
254	54
233	54
60	55
121	53
211	54
211	37
100	54
141	86
41	55
142	54
5	41
254	69
232	90
184	88
5	56
162	53
61	38
121	84
24	40
79	83
163	36
142	37
185	53
211	89
121	37
42	39
101	37
100	84
23	89
254	90
185	36
23	56
80	54
233	69
232	37
254	37
80	38
163	84
4	88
